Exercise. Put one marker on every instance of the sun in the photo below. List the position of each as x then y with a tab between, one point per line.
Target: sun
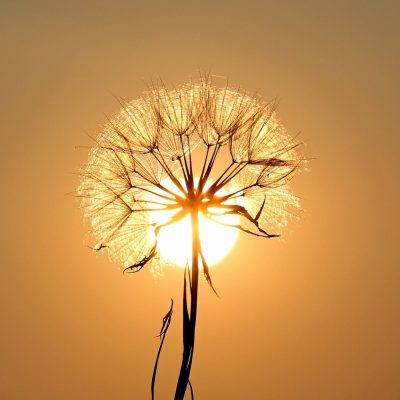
175	241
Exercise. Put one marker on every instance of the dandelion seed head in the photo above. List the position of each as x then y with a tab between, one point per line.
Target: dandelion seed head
156	138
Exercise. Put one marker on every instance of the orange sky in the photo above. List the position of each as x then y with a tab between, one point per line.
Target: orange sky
311	316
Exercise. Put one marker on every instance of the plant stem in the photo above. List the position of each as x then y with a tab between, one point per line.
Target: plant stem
189	324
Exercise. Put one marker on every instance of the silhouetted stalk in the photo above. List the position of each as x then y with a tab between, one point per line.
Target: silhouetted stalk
162	335
189	324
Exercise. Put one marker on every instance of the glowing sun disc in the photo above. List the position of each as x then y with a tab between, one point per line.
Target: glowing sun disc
175	241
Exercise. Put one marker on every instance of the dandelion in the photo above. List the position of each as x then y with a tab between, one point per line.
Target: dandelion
161	155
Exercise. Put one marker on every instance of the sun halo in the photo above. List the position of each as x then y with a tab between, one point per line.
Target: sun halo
174	242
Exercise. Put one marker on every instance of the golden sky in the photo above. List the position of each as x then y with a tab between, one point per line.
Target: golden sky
311	316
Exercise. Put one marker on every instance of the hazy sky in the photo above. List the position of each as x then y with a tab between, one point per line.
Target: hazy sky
312	316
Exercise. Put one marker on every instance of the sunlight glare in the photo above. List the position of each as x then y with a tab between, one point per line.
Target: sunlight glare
175	241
